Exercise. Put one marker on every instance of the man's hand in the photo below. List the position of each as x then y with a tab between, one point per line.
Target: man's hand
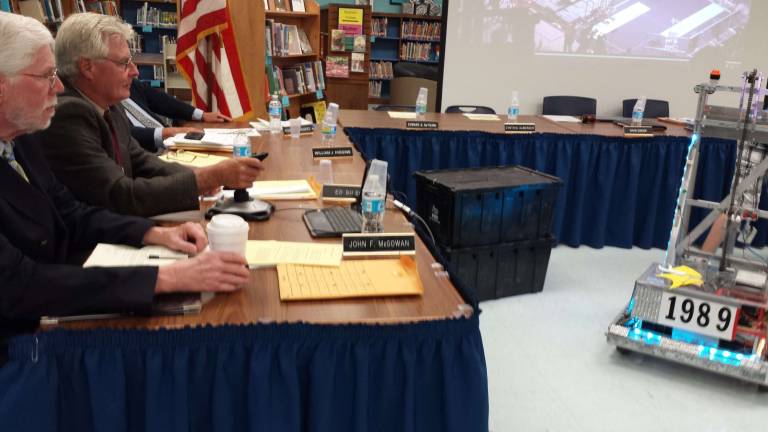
188	237
209	271
215	117
236	173
173	131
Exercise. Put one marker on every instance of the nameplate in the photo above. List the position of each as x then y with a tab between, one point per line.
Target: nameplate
638	130
336	191
331	152
367	244
421	124
519	127
307	128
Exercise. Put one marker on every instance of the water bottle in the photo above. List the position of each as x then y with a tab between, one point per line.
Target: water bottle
241	145
638	111
275	115
328	128
514	108
372	204
421	102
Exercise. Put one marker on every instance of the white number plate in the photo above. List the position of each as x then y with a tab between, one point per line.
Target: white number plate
700	316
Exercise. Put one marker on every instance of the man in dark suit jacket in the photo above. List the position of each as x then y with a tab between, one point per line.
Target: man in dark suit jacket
45	233
101	163
145	108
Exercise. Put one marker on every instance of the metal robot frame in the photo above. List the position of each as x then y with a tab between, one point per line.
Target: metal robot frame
722	325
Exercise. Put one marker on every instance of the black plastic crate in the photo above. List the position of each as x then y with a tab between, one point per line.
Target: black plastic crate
501	270
485	206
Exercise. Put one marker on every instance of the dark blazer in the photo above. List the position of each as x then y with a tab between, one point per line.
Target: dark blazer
78	146
45	235
156	102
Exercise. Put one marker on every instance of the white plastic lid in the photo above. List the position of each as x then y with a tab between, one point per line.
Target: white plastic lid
227	222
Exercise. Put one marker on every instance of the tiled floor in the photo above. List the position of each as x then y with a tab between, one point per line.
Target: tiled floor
550	368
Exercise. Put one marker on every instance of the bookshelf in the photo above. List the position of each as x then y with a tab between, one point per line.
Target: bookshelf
153	22
292	55
52	12
400	37
350	92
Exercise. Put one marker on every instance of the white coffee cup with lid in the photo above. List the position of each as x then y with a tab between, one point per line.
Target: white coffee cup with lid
228	232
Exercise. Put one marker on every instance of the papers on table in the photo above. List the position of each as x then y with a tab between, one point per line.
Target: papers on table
192	158
110	255
563	118
279	190
353	278
263	125
401	115
213	140
272	252
483	117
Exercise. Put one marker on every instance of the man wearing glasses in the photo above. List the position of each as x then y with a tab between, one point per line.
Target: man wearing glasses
89	144
45	234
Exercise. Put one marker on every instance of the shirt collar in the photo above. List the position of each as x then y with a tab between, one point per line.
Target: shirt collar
99	109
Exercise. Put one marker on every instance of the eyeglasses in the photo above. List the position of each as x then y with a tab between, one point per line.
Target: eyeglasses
51	78
125	63
184	156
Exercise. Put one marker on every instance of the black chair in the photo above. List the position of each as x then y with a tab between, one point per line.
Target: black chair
401	108
653	108
569	105
470	109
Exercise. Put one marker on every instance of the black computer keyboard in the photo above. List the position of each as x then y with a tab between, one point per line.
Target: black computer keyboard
343	219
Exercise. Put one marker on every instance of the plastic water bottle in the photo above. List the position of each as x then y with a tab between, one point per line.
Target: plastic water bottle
372	204
328	128
275	115
421	102
638	112
514	108
241	146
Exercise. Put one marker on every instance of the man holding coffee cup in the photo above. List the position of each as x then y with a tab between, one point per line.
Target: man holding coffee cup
45	233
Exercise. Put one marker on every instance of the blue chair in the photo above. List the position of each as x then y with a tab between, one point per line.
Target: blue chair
470	109
569	105
401	108
653	108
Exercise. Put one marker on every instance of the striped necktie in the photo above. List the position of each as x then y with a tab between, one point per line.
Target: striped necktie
7	155
142	117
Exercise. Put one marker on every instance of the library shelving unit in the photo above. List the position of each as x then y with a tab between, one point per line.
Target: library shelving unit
150	59
53	12
350	92
400	37
307	21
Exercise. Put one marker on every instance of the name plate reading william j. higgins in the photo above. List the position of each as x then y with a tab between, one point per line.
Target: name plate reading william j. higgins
369	244
519	127
338	191
331	152
421	124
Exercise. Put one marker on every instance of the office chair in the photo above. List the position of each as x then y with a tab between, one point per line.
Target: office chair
470	109
569	105
401	108
653	108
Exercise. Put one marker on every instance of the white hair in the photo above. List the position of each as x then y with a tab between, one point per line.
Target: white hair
22	37
86	35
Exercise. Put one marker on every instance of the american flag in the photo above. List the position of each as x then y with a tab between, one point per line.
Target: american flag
206	55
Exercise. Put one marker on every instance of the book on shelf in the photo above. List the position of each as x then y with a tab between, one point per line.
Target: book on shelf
425	30
280	5
337	40
357	62
298	5
297	79
306	46
32	9
337	66
359	44
379	26
294	44
381	70
374	89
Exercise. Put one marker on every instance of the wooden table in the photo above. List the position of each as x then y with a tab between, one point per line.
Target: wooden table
459	122
259	301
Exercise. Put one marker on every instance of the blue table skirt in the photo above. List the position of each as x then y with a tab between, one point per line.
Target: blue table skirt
616	192
267	377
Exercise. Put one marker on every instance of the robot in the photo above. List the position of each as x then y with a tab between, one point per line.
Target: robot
701	308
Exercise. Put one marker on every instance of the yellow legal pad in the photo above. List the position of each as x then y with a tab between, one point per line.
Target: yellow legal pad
354	278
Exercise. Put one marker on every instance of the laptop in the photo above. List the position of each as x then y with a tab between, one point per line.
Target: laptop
336	221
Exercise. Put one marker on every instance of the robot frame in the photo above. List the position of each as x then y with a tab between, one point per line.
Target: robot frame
718	321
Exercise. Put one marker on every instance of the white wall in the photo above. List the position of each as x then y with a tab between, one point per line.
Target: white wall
485	73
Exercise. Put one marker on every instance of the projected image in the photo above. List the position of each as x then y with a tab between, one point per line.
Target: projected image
646	28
